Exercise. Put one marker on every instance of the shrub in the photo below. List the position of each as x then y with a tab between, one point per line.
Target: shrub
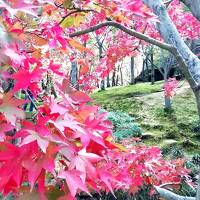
124	125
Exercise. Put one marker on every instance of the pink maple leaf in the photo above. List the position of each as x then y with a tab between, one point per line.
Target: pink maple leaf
9	107
55	68
31	77
5	127
84	163
74	181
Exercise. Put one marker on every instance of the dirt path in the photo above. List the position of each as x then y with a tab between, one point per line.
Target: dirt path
158	97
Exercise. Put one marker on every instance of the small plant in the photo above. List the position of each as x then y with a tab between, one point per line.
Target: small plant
177	152
124	125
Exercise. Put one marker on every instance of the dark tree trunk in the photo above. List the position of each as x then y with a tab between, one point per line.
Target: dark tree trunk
102	84
121	76
117	79
152	70
113	78
143	69
132	71
108	80
147	68
100	45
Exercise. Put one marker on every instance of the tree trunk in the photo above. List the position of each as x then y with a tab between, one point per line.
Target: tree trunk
74	74
198	186
132	71
168	104
147	68
117	79
121	76
108	80
197	95
152	70
143	69
102	84
48	84
113	78
100	45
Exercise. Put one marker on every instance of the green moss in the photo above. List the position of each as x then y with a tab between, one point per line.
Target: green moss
120	92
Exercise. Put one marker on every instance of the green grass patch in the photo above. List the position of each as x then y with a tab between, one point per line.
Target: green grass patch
120	92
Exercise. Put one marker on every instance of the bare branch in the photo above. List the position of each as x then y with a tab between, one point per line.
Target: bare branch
75	11
126	30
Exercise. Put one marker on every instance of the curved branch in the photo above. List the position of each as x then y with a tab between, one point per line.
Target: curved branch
168	195
128	31
182	64
74	12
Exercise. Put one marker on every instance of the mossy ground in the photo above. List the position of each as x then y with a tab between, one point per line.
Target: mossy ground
168	129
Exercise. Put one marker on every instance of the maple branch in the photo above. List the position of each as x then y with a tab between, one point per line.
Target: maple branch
126	30
168	195
75	11
137	47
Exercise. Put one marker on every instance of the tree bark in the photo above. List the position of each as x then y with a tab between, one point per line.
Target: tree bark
102	86
198	184
197	96
74	74
143	69
100	46
117	78
108	80
167	68
121	76
132	71
147	68
168	104
113	78
152	70
168	195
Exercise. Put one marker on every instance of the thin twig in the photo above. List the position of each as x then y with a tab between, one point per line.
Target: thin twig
75	11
